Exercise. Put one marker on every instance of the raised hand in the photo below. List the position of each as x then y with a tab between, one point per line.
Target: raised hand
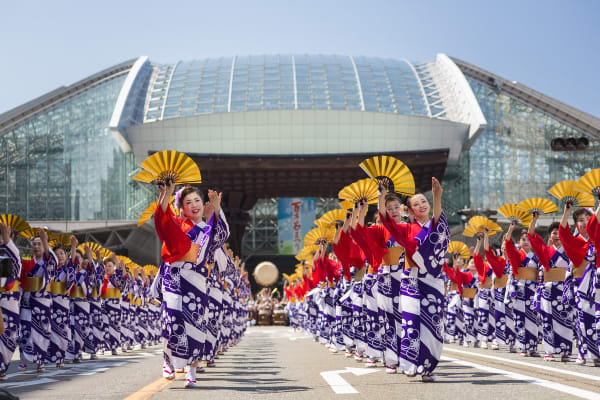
566	213
215	200
436	189
4	233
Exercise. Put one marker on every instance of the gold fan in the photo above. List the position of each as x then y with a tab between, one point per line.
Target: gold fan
347	205
314	235
471	231
64	239
94	247
542	206
30	233
151	209
567	190
330	217
479	222
144	176
590	183
362	189
150	269
18	224
396	172
307	253
170	161
511	212
126	260
457	246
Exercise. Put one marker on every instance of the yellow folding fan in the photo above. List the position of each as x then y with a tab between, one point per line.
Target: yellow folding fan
471	231
398	174
362	189
511	212
94	247
33	232
64	239
170	161
330	217
317	234
590	183
480	222
145	176
567	190
456	246
150	269
18	224
542	206
346	204
307	253
125	260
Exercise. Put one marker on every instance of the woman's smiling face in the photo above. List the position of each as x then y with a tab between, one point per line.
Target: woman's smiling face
193	206
419	206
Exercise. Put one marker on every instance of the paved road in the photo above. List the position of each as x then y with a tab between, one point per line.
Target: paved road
277	363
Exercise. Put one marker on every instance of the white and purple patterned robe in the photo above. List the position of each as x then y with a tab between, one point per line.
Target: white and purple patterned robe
61	333
10	304
80	316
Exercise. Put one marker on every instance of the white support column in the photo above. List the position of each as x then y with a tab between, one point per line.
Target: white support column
362	101
231	83
162	111
295	87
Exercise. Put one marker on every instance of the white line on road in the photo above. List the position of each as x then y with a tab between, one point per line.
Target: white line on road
27	383
584	394
558	370
338	384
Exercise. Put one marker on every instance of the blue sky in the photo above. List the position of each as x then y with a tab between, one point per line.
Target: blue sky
551	46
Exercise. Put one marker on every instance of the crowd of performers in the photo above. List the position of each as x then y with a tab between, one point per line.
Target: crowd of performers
65	301
387	293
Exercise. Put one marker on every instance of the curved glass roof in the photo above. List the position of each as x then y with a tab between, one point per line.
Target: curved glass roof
276	82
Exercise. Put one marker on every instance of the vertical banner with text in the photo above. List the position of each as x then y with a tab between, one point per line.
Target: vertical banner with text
296	218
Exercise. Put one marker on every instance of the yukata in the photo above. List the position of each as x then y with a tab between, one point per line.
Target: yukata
36	308
184	283
127	312
455	323
484	306
10	298
504	329
94	341
111	304
139	310
61	332
422	292
556	316
214	310
580	289
522	292
80	315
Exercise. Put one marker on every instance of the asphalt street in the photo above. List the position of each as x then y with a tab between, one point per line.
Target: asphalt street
278	363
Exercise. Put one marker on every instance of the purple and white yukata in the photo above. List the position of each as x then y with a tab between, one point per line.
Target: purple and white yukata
422	301
80	315
61	332
36	313
94	342
10	304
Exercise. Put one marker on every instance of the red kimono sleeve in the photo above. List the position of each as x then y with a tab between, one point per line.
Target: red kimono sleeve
359	237
449	272
541	250
175	241
316	275
402	233
482	269
377	237
593	229
575	247
462	278
515	257
341	252
497	263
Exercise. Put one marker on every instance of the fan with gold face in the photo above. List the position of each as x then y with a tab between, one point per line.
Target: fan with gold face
151	209
511	212
391	172
364	189
590	183
347	205
456	246
17	224
159	165
329	219
64	239
539	205
94	247
307	253
319	235
31	233
567	190
479	223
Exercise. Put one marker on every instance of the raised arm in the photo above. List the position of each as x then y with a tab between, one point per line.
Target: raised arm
437	191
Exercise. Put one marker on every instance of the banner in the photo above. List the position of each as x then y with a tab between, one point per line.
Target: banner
296	217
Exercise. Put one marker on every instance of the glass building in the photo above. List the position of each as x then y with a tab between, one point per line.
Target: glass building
70	155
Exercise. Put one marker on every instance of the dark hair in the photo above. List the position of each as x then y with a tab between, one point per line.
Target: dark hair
523	232
580	211
407	199
188	190
59	246
553	226
394	197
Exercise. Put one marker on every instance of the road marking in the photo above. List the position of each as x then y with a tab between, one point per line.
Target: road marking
149	390
557	370
584	394
338	384
27	383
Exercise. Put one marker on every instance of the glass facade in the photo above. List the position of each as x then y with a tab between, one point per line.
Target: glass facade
64	164
278	82
512	160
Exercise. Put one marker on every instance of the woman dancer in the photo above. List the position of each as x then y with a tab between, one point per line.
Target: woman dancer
422	286
188	254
